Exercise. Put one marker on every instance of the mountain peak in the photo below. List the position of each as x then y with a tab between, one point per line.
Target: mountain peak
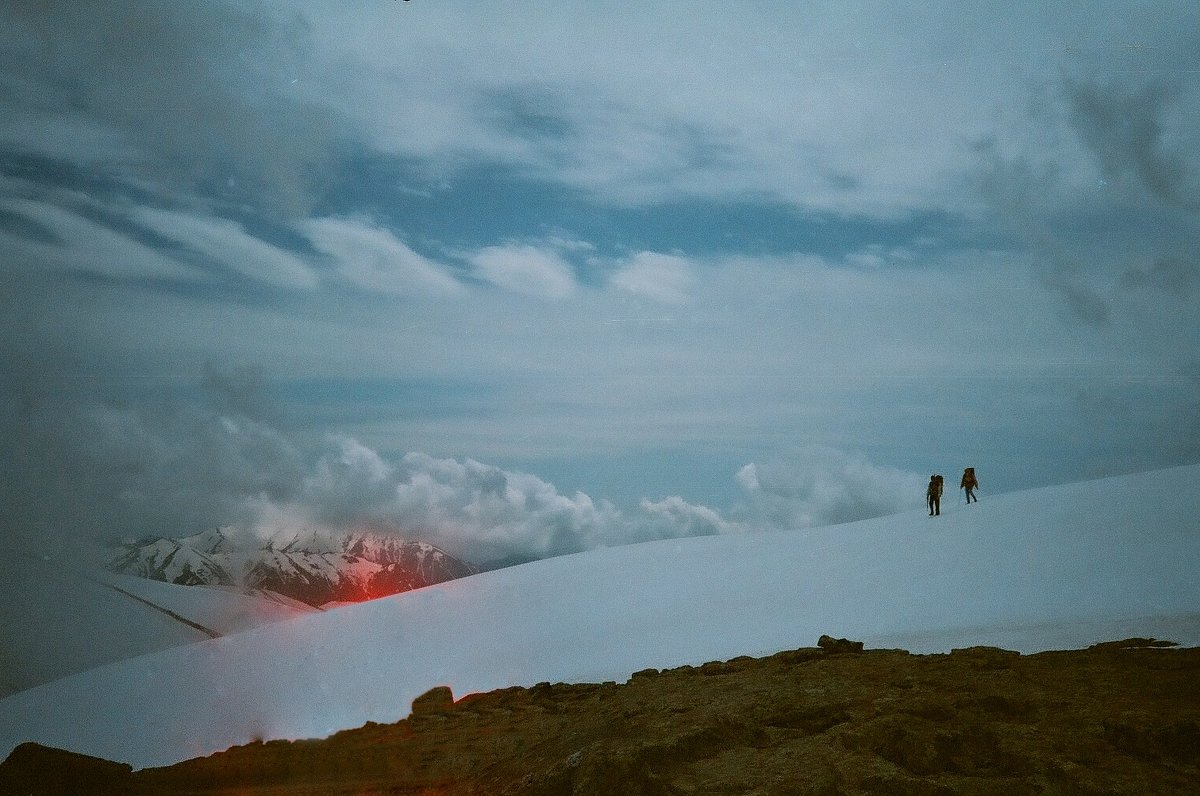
213	540
315	567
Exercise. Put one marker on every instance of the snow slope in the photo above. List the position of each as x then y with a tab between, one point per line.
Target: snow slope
1049	568
58	619
224	611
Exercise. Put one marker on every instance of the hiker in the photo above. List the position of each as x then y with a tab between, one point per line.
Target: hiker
934	494
970	484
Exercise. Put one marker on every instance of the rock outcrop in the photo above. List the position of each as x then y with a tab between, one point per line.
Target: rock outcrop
1113	719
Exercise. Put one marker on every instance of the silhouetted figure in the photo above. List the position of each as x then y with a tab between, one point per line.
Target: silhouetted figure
934	494
970	484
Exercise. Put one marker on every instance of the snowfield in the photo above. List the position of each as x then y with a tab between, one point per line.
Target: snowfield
1056	567
58	618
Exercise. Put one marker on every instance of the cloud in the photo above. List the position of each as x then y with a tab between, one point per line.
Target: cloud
237	391
675	517
823	486
203	98
373	259
662	277
81	469
478	511
498	512
86	247
854	116
526	269
1125	131
1174	276
1085	302
820	109
1097	173
227	244
491	515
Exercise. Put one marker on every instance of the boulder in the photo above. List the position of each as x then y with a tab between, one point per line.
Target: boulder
435	700
830	644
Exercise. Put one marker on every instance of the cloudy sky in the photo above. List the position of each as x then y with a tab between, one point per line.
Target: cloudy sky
529	278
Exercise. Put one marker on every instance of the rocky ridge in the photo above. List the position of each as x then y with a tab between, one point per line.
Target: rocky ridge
1122	717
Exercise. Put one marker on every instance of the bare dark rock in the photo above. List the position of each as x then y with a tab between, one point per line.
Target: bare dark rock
986	657
34	770
981	720
830	644
435	700
1132	643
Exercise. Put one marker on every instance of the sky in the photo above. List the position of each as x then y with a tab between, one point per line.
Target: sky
529	279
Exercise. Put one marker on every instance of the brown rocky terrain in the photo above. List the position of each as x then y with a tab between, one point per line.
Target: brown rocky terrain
1122	717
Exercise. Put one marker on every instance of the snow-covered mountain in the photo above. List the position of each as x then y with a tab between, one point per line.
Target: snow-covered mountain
1056	567
314	568
187	562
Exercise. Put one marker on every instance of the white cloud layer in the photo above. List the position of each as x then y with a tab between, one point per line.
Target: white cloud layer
107	473
522	268
666	278
478	511
374	259
855	111
104	472
488	514
227	243
822	486
87	247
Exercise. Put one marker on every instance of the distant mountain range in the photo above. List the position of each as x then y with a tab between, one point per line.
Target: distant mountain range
318	569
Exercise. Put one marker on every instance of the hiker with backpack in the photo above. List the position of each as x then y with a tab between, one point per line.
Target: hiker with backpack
970	484
934	494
